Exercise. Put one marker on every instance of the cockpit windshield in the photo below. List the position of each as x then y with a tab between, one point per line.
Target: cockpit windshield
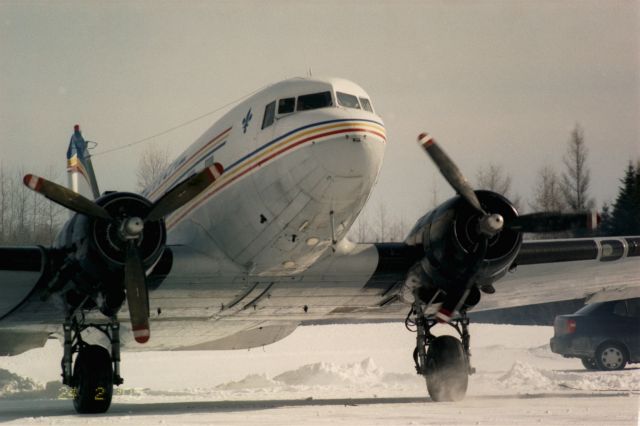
286	105
282	107
314	101
351	101
366	104
347	100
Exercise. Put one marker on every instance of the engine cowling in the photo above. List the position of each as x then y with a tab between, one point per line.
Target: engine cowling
96	250
107	238
450	238
470	240
107	247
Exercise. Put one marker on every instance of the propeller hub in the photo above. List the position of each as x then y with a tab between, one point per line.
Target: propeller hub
131	228
491	224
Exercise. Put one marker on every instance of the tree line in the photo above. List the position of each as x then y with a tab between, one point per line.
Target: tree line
25	216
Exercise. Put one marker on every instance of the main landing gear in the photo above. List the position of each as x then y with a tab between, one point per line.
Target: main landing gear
95	370
442	360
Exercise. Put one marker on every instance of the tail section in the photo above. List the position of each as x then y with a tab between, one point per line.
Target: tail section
82	179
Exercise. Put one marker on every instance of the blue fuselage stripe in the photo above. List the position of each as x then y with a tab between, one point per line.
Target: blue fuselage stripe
279	138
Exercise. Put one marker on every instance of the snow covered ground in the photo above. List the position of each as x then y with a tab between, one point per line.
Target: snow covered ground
338	375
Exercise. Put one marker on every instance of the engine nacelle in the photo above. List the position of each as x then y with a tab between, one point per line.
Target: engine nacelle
450	237
96	250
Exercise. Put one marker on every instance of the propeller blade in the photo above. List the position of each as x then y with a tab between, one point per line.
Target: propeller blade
553	222
65	197
137	297
449	170
184	192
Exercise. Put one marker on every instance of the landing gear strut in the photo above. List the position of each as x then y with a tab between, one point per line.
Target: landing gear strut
95	370
443	360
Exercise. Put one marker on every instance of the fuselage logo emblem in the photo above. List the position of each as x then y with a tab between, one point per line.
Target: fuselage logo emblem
246	120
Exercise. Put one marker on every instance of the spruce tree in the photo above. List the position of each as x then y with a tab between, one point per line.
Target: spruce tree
625	217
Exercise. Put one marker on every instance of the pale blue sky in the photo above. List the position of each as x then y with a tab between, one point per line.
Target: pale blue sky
493	81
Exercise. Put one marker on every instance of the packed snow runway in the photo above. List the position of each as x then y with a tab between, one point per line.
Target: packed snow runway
339	375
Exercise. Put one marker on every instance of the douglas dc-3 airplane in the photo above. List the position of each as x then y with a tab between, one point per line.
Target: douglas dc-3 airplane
243	238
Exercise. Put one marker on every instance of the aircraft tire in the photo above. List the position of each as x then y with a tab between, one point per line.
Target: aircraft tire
93	380
447	369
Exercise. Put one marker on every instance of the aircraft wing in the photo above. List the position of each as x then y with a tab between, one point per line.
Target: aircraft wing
20	270
597	269
360	282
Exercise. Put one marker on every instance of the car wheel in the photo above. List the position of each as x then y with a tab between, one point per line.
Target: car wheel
611	356
589	363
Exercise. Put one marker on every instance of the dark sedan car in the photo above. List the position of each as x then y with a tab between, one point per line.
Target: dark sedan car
605	336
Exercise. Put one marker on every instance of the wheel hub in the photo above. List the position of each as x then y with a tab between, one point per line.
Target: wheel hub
611	358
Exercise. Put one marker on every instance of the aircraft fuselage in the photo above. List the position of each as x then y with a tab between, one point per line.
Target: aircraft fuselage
300	157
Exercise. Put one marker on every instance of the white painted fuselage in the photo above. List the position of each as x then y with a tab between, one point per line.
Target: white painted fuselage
300	159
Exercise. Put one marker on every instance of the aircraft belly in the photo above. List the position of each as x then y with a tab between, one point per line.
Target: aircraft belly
193	310
261	335
183	334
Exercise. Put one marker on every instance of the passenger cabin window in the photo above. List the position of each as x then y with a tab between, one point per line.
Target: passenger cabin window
347	100
314	101
285	106
366	105
269	115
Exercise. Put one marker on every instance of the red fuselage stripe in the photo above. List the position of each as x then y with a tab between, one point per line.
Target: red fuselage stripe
266	159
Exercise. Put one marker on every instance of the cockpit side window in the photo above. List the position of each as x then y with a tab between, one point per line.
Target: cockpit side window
314	101
287	105
269	115
366	105
347	100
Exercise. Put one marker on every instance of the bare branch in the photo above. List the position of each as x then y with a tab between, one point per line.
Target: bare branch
153	161
576	177
547	192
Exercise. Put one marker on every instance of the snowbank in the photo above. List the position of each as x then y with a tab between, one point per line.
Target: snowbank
346	374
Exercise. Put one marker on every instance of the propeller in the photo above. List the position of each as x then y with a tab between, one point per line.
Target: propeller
491	224
449	170
65	197
130	230
184	192
137	297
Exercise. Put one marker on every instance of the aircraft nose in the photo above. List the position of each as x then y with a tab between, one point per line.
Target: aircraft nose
356	154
